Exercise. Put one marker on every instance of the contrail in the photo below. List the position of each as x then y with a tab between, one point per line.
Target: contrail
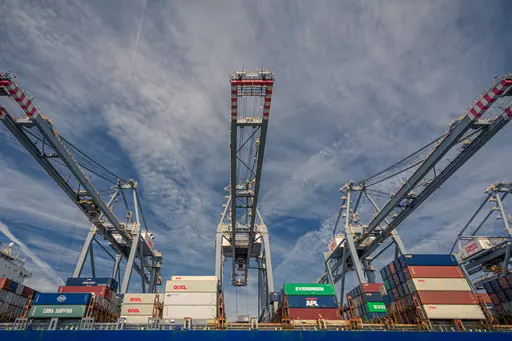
138	37
47	269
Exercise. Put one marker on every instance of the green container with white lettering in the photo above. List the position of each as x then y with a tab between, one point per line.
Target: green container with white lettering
376	307
59	311
301	289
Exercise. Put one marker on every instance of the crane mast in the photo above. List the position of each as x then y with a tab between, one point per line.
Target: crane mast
130	239
241	234
354	246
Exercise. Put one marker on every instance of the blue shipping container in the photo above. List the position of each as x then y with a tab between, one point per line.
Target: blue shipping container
13	287
312	302
93	282
60	298
387	300
372	297
428	260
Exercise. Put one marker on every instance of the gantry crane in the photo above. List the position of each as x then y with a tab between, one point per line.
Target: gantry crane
241	234
130	239
354	245
488	254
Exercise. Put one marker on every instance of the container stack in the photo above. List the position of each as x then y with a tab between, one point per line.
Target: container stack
500	293
139	308
433	283
367	301
195	297
310	301
13	298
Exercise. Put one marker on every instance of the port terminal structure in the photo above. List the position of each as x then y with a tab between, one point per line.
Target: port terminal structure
242	234
355	245
485	255
72	170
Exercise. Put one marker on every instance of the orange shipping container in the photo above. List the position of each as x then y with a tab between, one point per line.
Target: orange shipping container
445	297
434	272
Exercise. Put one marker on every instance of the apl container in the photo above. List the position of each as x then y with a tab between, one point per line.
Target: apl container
308	289
102	291
313	314
312	301
462	312
191	286
92	282
188	298
64	299
200	312
60	311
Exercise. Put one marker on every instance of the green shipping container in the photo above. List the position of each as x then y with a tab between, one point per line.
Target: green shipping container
308	289
376	307
60	311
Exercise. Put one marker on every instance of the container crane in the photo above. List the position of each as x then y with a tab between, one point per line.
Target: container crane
354	246
487	257
130	239
242	234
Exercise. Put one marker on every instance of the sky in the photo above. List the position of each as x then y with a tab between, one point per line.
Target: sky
359	85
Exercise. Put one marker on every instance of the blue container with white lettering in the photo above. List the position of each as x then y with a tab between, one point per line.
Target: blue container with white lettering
312	301
60	298
428	260
92	282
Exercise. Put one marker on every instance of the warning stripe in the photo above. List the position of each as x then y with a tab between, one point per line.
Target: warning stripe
508	111
234	102
266	106
486	100
3	113
20	97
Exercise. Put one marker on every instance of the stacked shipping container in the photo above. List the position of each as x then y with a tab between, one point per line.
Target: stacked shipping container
433	282
13	298
311	301
500	293
367	300
191	296
138	308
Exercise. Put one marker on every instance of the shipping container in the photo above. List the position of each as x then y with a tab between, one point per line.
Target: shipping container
445	297
58	298
28	292
314	289
372	296
313	314
102	291
19	289
142	298
427	260
194	278
137	319
312	301
137	309
13	287
191	286
93	282
199	312
438	284
371	287
434	272
443	311
189	298
60	311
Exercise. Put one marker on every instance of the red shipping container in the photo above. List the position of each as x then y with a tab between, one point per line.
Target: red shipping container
392	268
445	297
484	297
28	292
5	283
313	314
102	291
371	287
435	272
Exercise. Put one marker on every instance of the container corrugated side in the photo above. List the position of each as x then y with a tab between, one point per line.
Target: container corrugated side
141	298
97	281
5	283
194	278
371	287
60	311
199	312
189	298
445	297
312	301
137	309
60	298
309	289
139	319
428	260
313	314
103	291
191	286
438	284
434	272
452	311
376	307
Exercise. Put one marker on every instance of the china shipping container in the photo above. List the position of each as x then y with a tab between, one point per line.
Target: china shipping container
315	289
451	311
199	312
141	298
97	281
137	309
64	299
313	314
194	278
438	284
445	297
60	311
191	286
188	298
312	301
102	291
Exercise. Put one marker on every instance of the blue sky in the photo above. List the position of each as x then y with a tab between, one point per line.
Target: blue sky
359	85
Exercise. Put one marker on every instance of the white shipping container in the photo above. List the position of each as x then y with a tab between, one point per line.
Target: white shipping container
438	284
383	291
198	312
19	289
141	298
453	311
137	309
189	298
191	286
335	241
139	319
194	278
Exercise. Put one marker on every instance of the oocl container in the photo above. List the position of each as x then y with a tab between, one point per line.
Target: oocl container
188	298
194	278
195	312
191	286
309	289
67	299
449	311
60	311
141	309
141	298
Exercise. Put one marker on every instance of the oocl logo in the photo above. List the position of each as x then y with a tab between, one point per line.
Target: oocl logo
134	310
135	299
180	287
